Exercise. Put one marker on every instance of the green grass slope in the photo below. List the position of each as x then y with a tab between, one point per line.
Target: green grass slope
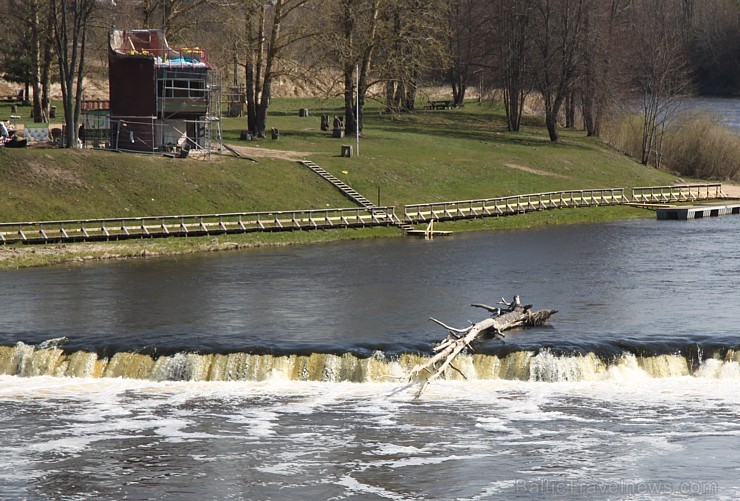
454	154
423	157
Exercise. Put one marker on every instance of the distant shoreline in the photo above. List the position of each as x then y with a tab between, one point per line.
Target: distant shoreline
26	256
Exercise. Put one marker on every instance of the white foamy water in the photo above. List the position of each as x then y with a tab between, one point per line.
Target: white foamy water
115	438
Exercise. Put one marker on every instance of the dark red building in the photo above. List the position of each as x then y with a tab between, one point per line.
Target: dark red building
160	96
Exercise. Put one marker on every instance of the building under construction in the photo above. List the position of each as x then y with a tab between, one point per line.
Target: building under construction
162	99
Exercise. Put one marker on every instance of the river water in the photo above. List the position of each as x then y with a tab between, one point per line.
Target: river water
280	373
724	109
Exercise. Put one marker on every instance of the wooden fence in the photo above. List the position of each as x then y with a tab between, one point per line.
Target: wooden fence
516	204
677	193
192	225
245	222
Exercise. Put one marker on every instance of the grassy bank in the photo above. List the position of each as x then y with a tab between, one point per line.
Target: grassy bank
422	157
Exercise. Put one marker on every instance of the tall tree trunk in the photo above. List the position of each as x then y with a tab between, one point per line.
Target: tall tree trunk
398	98
38	18
349	102
353	112
390	94
458	84
249	75
409	102
257	128
552	110
271	55
570	111
46	85
261	66
36	53
514	106
588	106
559	27
512	38
69	28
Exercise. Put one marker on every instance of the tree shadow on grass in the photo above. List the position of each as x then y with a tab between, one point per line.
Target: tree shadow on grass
478	125
485	126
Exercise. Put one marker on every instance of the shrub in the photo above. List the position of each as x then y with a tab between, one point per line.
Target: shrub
624	132
701	147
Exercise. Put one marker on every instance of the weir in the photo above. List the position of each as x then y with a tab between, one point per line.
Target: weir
29	361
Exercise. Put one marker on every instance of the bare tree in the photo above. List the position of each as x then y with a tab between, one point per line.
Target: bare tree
603	60
70	30
28	55
509	34
557	30
171	16
468	23
411	43
660	69
350	39
259	34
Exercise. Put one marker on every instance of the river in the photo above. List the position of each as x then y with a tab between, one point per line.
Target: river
279	373
724	109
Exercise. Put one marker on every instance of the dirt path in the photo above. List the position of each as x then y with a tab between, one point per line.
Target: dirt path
530	170
731	190
257	152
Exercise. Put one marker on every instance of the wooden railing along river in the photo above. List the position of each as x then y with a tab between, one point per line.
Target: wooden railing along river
244	222
677	193
192	225
516	204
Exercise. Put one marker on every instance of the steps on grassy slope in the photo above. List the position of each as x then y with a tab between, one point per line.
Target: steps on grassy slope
350	192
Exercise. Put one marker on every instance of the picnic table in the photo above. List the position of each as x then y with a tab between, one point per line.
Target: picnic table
441	105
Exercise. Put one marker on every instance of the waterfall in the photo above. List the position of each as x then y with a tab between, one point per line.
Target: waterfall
50	360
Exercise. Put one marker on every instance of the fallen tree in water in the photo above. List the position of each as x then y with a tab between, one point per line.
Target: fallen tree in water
507	316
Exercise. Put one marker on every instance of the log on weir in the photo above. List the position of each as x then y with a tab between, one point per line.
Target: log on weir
506	316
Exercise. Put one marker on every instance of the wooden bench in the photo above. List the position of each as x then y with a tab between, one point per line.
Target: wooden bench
12	97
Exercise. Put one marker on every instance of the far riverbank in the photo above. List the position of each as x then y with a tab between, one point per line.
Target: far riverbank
431	156
24	256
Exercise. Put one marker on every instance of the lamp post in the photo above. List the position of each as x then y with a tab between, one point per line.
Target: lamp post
357	120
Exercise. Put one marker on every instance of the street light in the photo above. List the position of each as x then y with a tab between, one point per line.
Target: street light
357	121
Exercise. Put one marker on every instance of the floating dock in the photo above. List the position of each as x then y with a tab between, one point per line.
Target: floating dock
698	211
429	233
